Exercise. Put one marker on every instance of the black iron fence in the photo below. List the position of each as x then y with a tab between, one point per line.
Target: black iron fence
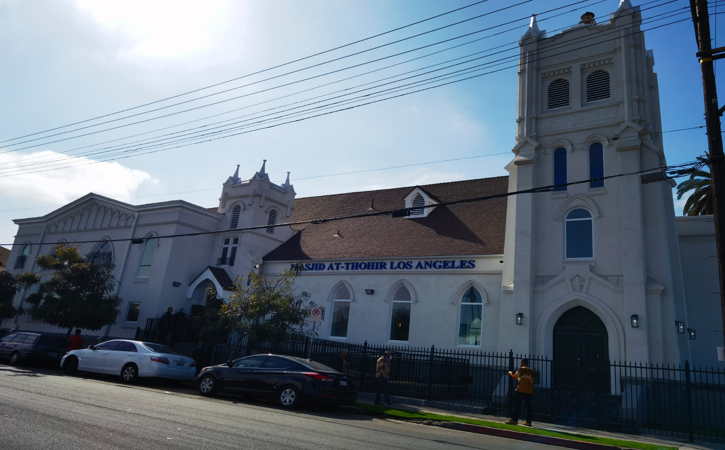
665	399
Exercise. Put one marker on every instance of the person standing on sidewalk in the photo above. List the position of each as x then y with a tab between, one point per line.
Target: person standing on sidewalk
524	392
382	376
75	342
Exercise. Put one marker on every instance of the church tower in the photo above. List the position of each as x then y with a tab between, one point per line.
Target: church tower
594	267
256	202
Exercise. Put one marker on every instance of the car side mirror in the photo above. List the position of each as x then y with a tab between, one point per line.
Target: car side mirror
229	363
91	347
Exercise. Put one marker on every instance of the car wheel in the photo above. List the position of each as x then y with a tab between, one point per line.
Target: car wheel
208	385
289	397
70	365
14	359
129	373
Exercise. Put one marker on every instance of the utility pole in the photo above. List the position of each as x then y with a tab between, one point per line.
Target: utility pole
706	55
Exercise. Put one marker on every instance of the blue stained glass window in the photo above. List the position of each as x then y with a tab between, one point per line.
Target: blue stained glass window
596	165
560	169
579	238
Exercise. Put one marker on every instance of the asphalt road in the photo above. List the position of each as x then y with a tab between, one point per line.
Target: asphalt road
42	409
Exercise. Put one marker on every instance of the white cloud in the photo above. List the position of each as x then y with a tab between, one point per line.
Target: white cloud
73	177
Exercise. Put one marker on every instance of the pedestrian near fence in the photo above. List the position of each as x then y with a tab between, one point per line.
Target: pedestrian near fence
524	392
382	376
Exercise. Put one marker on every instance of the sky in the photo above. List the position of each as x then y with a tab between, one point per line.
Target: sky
65	61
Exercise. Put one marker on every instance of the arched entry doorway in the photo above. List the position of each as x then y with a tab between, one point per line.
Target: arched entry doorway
581	352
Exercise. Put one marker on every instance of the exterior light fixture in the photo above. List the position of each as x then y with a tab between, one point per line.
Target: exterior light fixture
691	334
681	328
634	320
519	318
369	291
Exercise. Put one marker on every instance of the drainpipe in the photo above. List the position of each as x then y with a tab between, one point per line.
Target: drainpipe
124	265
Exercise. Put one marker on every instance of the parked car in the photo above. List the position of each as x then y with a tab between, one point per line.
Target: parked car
29	347
286	379
130	360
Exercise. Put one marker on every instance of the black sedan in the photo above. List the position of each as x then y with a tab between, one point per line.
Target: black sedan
286	379
28	347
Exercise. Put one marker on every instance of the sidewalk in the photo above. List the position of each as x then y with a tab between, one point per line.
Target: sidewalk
423	406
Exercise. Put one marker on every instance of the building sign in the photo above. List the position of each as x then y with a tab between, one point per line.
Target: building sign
381	266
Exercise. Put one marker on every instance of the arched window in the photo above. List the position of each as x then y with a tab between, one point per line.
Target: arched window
22	257
341	298
558	93
597	85
271	220
471	321
596	165
400	317
102	255
560	169
234	222
579	238
418	208
150	245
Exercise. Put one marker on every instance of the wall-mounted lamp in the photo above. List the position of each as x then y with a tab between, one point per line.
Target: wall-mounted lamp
681	327
369	291
519	318
634	320
691	334
175	283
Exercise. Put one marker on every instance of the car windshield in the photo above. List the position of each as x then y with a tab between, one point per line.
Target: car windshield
159	348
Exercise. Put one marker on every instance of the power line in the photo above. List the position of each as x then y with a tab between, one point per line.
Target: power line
205	128
69	151
329	61
314	115
673	171
255	72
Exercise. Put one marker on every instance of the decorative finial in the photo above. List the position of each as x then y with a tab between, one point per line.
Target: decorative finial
624	4
236	172
262	173
234	179
533	32
286	182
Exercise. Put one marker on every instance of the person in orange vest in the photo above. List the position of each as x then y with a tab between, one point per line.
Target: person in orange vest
75	342
524	392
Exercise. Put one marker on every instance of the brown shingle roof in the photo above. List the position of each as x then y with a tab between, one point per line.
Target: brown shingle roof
465	229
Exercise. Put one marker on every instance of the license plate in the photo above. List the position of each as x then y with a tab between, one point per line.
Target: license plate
343	383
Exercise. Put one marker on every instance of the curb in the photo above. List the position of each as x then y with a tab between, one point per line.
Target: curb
510	434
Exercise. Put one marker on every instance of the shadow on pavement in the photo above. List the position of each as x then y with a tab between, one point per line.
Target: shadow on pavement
189	388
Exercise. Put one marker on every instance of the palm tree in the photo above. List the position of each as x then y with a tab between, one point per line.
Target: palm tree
700	201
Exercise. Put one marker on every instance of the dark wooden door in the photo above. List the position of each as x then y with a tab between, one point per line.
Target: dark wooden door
581	352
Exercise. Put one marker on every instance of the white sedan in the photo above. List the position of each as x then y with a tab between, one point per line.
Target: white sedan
130	360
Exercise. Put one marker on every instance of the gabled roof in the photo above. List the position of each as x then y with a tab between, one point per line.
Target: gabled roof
466	229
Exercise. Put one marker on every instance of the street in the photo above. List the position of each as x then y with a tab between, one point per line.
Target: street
45	409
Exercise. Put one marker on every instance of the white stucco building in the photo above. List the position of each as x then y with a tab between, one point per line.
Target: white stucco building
593	271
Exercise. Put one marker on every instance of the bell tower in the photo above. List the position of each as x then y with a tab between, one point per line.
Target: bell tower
588	107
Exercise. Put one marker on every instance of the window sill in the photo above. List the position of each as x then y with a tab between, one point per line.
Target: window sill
597	190
394	342
338	338
578	260
141	280
468	345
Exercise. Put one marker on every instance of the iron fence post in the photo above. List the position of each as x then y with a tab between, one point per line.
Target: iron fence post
511	382
688	394
430	371
363	364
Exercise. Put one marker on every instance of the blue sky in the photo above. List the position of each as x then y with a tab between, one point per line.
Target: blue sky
65	61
